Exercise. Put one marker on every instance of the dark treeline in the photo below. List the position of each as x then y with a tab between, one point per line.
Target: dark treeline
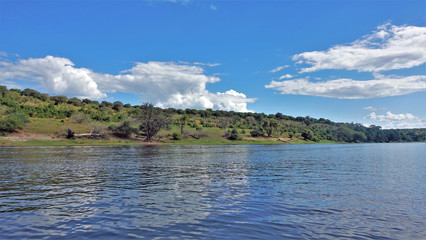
15	104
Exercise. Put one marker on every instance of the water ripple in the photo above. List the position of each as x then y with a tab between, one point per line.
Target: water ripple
360	191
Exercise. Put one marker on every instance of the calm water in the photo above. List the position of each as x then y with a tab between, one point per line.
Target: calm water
330	191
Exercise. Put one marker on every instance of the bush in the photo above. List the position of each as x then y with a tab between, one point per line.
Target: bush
80	117
124	129
7	125
176	136
258	132
235	136
12	122
97	128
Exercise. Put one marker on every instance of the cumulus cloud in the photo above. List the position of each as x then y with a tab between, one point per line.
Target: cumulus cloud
387	48
167	84
279	68
352	89
390	120
286	76
57	75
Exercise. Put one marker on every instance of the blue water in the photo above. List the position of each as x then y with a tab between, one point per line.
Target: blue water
320	191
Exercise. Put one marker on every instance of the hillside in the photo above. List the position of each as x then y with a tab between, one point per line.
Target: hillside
28	115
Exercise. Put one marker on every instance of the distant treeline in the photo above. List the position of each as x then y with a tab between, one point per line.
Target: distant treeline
15	103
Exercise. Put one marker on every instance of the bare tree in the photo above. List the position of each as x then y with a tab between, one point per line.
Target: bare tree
224	123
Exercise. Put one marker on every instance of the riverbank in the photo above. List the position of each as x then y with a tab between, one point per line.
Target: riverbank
19	139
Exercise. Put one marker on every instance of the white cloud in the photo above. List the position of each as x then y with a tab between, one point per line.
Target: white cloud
371	109
352	89
389	47
213	7
3	54
390	120
58	75
167	84
206	64
286	76
279	68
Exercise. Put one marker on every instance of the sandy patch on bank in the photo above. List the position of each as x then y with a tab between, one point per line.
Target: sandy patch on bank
20	136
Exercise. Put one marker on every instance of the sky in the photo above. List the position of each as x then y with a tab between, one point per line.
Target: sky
347	61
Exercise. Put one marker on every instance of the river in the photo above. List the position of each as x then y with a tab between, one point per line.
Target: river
322	191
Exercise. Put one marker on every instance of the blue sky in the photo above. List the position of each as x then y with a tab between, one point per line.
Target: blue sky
349	61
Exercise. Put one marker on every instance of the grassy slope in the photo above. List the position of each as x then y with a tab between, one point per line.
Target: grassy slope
49	132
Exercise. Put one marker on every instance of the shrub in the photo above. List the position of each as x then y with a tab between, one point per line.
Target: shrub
80	117
124	129
7	125
12	122
235	136
258	132
176	136
97	128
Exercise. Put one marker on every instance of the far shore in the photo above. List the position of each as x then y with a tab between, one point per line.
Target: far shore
35	139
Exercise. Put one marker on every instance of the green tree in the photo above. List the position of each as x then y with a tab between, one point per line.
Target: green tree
182	122
271	126
117	106
152	120
359	137
307	134
3	91
59	99
74	101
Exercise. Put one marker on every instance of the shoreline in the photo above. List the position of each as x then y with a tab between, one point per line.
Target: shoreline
17	142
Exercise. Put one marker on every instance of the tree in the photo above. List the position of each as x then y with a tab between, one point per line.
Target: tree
59	99
182	123
117	106
270	126
3	91
74	101
224	123
106	104
359	137
152	120
307	134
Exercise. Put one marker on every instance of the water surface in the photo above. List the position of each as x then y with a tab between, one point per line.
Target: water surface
324	191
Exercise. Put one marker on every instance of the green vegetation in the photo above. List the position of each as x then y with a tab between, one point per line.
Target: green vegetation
93	123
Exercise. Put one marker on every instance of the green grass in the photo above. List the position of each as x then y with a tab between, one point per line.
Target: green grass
54	126
214	136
